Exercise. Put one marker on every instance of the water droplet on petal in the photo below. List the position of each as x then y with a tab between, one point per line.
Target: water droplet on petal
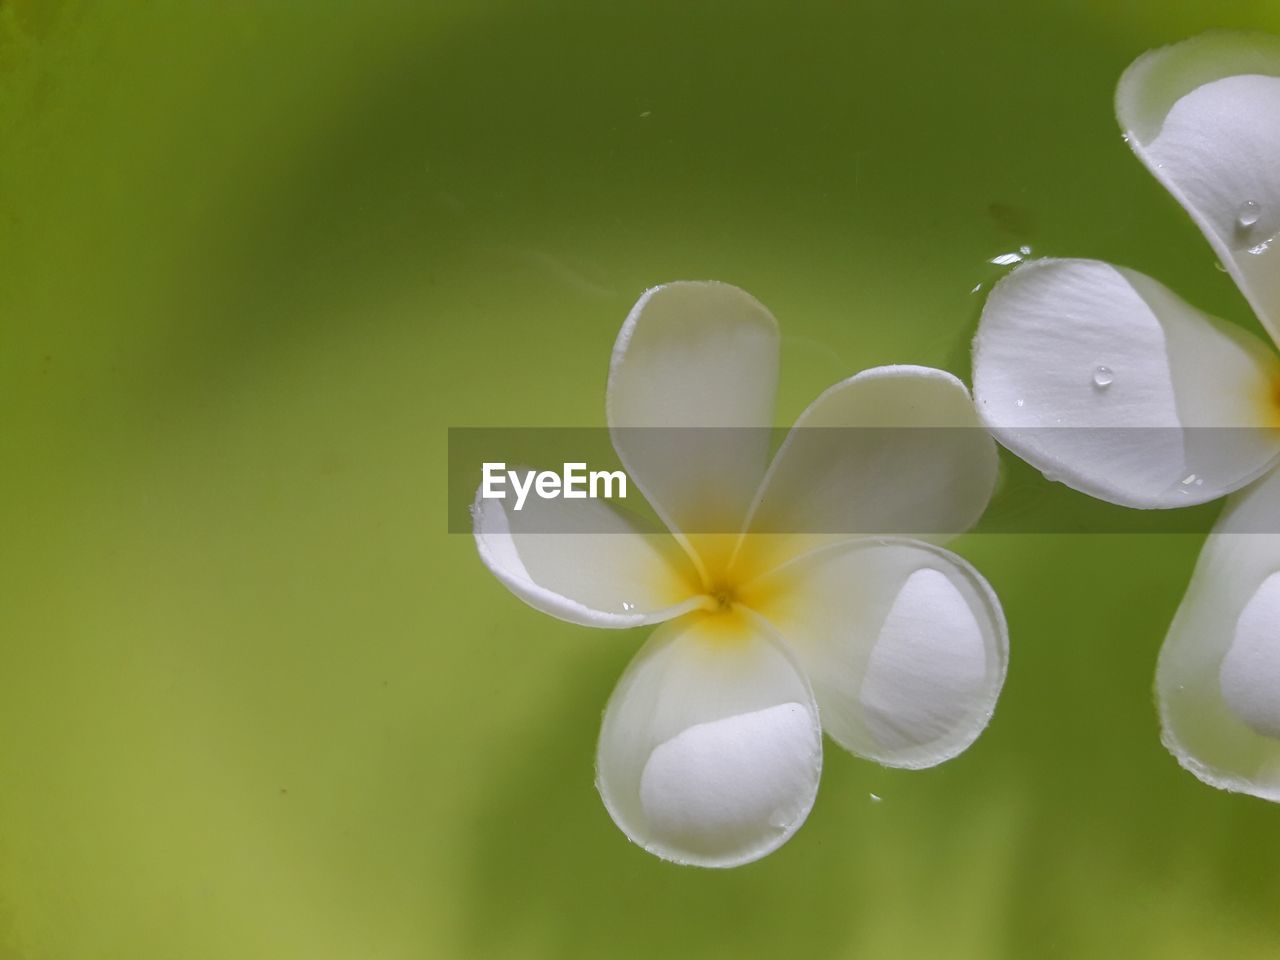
628	606
1019	402
1103	377
1248	214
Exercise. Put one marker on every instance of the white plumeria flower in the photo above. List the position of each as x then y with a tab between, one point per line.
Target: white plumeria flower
1147	383
711	745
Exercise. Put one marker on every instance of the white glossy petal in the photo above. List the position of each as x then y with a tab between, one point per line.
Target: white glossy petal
1250	674
892	450
904	642
1104	379
711	751
1204	116
690	401
1218	681
596	569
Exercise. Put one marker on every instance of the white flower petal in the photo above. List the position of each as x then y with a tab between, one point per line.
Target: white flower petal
895	449
711	750
904	642
702	356
1204	116
1104	379
1218	681
596	570
1250	674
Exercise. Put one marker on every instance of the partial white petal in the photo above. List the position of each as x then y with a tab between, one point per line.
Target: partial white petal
1204	116
1250	674
1218	681
892	450
595	569
701	356
1104	379
904	642
711	749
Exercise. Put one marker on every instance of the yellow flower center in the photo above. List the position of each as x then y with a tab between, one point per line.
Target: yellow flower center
734	581
724	594
732	589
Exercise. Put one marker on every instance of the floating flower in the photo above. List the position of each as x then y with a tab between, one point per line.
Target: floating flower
1164	406
776	622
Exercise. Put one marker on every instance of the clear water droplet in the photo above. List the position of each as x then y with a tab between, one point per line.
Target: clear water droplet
628	606
1250	212
875	798
1189	479
1019	402
1103	377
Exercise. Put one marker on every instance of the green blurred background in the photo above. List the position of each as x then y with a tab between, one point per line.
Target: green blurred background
255	259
